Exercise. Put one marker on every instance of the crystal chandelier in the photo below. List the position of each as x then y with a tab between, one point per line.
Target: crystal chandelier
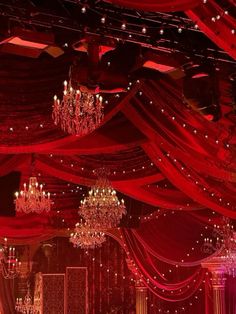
9	263
86	237
102	208
26	305
79	113
33	199
223	240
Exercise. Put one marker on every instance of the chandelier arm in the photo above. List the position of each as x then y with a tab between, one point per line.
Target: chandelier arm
223	244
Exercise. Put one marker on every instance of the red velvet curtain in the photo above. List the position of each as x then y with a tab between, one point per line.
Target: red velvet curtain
7	299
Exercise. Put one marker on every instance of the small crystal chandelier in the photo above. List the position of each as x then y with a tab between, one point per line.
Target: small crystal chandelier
33	199
26	305
223	240
86	237
79	113
102	208
9	263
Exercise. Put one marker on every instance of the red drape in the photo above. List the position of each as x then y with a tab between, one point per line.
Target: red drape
160	153
214	20
157	5
188	151
7	300
169	283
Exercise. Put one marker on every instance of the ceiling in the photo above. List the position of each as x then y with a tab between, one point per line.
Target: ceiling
148	117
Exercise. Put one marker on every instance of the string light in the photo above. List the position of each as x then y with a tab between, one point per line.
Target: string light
103	20
83	9
123	26
144	30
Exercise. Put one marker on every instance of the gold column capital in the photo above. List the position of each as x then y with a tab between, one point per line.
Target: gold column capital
218	280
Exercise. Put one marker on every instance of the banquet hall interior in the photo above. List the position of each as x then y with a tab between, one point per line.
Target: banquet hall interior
117	156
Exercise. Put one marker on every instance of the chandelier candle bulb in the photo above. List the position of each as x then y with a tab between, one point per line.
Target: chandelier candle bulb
33	199
86	237
102	208
224	242
9	264
26	305
79	113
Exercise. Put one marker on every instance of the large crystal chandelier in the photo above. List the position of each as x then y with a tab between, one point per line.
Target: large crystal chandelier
223	240
26	306
79	113
86	237
9	263
102	208
33	199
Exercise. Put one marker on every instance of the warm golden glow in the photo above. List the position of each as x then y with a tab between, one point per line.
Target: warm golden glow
33	199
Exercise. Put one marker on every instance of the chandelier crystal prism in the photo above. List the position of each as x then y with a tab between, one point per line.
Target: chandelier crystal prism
223	240
9	263
102	208
79	113
33	199
86	237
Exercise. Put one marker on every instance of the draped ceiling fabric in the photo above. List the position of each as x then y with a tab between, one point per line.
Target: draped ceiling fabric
160	153
178	167
201	13
158	5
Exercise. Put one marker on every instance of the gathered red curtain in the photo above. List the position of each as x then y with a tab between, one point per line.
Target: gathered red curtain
7	300
166	254
179	230
168	282
159	152
193	154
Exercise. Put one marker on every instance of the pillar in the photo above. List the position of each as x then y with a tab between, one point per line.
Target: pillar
218	287
23	279
141	299
141	292
216	267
